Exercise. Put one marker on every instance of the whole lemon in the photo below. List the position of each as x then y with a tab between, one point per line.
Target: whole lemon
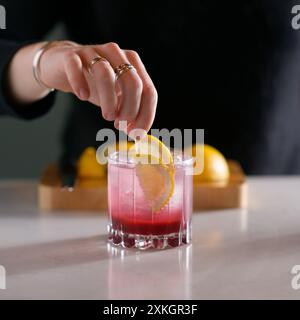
88	167
215	167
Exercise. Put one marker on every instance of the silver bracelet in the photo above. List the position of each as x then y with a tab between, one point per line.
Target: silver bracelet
36	66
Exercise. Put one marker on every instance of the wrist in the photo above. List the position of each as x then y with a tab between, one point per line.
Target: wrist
21	86
40	55
36	68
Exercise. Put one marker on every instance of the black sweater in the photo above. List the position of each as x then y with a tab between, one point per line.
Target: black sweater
230	67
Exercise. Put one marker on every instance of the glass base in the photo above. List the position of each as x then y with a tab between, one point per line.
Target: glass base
143	242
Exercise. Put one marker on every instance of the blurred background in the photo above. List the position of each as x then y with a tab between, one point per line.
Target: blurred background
33	144
249	89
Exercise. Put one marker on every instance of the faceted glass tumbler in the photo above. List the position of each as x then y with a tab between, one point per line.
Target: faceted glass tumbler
132	222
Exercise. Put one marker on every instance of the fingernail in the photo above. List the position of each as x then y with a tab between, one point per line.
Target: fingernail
83	94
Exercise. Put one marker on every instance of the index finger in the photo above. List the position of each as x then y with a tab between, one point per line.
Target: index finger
146	115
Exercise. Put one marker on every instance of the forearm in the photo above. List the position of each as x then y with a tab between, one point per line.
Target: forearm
22	87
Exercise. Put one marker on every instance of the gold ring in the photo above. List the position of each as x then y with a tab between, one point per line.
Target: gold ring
94	61
122	69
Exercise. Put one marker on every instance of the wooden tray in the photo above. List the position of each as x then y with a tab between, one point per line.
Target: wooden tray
92	195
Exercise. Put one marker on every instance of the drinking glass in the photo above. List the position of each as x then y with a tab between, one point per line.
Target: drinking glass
132	222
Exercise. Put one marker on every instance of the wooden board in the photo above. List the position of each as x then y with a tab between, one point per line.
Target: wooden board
233	194
92	195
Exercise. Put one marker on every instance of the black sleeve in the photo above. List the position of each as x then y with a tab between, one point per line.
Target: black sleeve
7	107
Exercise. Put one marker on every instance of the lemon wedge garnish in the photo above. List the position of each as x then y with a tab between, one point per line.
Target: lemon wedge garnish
155	171
152	147
123	145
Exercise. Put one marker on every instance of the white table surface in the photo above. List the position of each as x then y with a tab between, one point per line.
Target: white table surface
235	254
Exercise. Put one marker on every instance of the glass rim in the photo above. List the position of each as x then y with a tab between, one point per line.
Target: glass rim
185	161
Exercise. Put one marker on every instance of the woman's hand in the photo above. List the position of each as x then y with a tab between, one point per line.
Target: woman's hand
132	97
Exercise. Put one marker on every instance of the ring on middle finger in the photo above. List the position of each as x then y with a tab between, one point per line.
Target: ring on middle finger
122	69
94	61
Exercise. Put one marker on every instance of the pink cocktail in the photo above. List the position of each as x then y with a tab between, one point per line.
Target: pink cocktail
132	221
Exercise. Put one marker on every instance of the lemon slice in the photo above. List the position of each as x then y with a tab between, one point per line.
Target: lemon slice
155	171
156	151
